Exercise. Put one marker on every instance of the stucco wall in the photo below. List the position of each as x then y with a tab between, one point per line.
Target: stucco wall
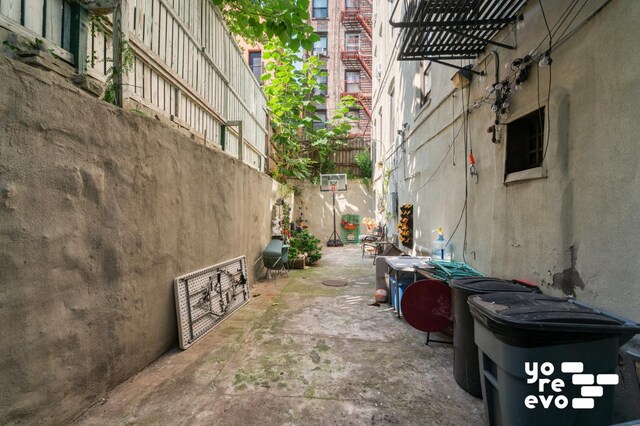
99	210
317	207
574	231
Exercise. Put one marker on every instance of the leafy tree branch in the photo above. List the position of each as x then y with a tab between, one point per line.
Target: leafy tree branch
293	96
260	21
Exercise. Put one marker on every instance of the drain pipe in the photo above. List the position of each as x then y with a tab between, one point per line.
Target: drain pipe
421	250
496	58
497	68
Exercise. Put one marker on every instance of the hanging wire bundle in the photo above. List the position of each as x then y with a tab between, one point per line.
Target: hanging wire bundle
445	270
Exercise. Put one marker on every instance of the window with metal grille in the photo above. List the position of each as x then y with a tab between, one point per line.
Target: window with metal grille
525	142
352	42
425	82
320	9
352	80
255	63
320	46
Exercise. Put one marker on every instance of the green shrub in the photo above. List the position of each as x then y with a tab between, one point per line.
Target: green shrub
363	161
304	242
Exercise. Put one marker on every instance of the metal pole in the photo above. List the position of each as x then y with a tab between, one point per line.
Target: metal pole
335	234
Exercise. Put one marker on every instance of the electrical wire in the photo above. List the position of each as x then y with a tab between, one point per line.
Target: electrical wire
546	23
453	136
563	17
547	112
571	22
441	161
463	213
546	147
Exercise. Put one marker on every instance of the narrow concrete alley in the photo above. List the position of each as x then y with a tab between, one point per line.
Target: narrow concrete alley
300	352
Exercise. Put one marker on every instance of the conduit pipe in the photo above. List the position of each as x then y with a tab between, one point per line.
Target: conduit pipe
422	250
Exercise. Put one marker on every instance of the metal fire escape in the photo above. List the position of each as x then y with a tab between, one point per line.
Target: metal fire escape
356	19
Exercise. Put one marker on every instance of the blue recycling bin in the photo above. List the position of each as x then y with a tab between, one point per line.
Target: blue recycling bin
397	290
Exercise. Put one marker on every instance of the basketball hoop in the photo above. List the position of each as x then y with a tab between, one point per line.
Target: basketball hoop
333	183
330	181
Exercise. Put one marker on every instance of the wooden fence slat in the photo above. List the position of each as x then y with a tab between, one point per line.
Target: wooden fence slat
12	9
147	83
99	59
54	21
162	37
155	27
154	88
146	27
32	15
186	65
140	11
174	45
107	53
138	78
131	22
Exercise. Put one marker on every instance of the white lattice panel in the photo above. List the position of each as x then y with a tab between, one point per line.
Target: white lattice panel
207	297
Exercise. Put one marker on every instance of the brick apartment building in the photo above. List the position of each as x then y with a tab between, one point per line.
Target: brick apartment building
345	47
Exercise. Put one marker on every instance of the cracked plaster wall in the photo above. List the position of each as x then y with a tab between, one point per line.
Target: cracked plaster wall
574	232
99	210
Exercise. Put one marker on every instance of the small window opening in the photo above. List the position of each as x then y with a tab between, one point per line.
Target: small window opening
525	142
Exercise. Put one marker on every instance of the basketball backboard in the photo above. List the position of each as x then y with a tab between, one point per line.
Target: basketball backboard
327	180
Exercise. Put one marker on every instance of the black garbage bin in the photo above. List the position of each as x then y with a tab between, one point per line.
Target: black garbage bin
465	352
547	360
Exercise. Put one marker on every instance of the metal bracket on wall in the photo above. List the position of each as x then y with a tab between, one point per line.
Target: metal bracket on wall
207	297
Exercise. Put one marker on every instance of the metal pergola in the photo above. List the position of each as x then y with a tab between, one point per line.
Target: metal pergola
444	30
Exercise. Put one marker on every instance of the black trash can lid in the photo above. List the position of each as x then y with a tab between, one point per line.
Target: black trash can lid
480	285
531	319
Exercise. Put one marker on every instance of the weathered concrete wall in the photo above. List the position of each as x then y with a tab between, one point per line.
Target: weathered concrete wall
99	210
317	207
574	231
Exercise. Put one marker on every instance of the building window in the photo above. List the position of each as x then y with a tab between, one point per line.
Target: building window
320	120
425	82
352	42
352	4
352	79
321	88
525	142
320	46
320	10
255	63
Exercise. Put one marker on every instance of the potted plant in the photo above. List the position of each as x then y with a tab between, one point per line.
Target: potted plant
350	221
297	260
305	245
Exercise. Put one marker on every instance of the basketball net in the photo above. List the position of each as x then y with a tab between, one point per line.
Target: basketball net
332	185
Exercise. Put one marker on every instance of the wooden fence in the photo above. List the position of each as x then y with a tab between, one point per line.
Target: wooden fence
186	65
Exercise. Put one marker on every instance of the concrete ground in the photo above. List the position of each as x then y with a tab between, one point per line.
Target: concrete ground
301	353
